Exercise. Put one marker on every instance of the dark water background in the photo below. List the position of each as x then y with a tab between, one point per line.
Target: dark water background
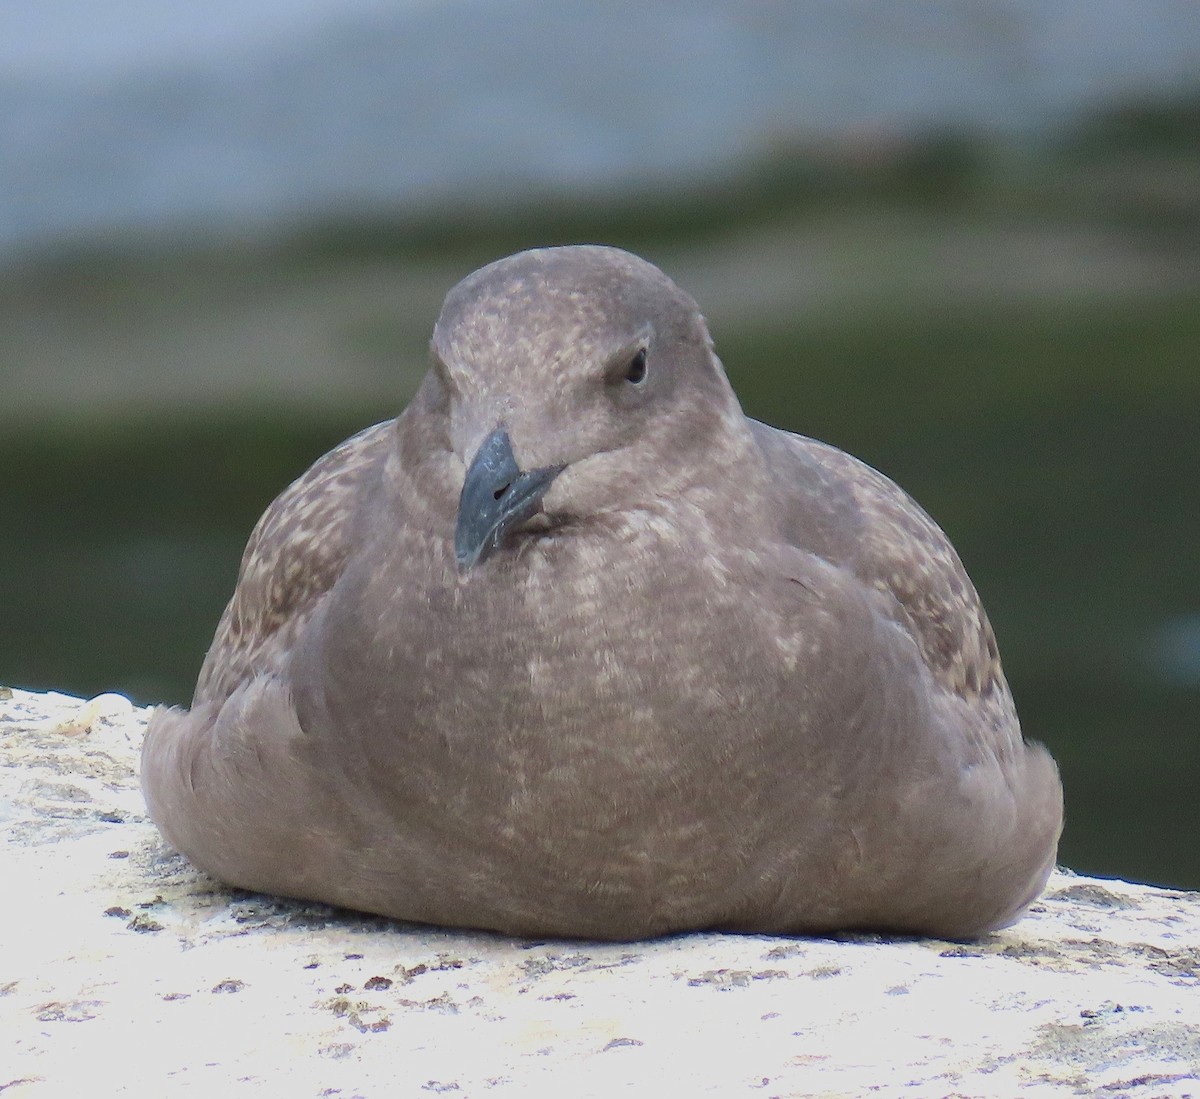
1042	400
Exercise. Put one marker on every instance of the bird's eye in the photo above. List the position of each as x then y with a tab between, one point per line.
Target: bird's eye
635	372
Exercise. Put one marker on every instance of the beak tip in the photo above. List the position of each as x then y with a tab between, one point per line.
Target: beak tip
467	550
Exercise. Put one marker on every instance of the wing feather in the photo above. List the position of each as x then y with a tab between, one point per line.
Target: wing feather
295	554
857	518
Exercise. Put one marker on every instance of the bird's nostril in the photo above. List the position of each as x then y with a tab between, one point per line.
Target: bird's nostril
501	490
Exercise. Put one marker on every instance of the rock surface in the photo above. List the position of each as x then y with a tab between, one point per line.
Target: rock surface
123	971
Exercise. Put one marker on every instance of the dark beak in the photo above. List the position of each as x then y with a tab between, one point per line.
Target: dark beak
496	496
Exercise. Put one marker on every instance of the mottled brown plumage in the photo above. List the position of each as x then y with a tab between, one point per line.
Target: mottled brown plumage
572	647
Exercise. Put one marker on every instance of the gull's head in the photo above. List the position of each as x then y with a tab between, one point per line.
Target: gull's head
576	380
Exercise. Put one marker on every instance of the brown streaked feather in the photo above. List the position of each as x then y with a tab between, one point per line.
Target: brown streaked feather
893	545
295	554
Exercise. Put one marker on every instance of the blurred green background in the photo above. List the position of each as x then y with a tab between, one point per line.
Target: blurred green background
1006	323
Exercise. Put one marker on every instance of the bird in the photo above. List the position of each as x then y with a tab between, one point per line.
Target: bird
574	648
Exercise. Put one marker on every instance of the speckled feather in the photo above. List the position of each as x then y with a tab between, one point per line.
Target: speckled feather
295	555
729	677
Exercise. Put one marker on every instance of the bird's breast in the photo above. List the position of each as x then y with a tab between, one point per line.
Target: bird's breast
592	674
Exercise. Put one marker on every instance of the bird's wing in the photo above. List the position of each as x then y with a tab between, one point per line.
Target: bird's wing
980	832
297	551
847	512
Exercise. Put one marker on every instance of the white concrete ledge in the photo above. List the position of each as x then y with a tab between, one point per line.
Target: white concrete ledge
123	971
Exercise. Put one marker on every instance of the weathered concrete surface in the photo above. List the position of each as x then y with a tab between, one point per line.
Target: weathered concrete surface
124	972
